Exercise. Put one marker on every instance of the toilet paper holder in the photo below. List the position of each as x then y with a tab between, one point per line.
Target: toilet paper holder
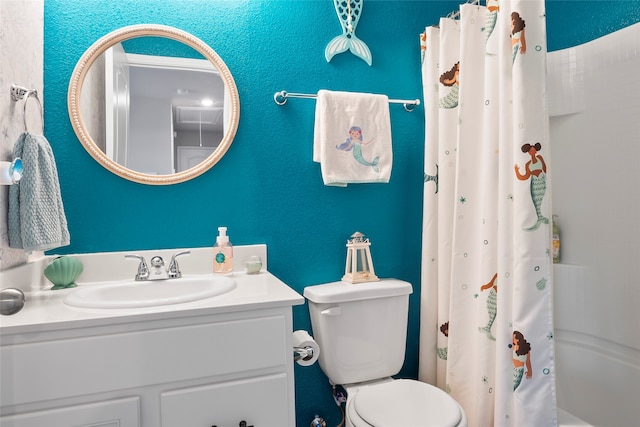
305	349
304	353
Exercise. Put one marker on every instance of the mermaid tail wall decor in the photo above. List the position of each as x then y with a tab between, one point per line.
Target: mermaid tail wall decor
348	12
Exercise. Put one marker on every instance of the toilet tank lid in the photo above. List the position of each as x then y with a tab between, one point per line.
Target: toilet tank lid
345	291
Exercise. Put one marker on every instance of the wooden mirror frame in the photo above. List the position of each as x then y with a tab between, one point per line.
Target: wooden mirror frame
104	43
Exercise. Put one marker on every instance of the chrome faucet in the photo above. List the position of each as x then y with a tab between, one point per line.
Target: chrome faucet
174	270
157	270
143	270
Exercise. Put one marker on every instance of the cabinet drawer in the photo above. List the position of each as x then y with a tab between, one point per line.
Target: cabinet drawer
111	413
261	402
51	370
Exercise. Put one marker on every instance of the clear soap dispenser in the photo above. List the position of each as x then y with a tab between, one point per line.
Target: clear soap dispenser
222	253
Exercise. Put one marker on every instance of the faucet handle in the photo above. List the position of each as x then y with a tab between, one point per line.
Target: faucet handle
174	269
143	270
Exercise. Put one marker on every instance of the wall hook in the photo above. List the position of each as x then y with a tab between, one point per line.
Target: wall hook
18	92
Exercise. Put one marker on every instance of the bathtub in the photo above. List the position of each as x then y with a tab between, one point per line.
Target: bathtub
597	380
566	419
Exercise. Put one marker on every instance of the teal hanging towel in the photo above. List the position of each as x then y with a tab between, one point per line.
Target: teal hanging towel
36	214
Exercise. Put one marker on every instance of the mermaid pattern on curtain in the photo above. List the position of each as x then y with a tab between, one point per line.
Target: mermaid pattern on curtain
491	18
486	215
450	79
536	171
492	305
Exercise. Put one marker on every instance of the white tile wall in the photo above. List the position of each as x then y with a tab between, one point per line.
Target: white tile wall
565	81
596	185
574	298
595	165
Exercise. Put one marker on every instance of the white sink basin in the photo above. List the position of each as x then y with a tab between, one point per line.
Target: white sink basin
132	294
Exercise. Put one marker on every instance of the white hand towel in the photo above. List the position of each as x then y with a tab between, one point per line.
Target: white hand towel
352	137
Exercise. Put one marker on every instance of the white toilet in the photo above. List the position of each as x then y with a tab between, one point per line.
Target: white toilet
361	330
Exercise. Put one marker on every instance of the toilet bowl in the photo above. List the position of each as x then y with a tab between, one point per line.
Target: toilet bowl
361	330
406	403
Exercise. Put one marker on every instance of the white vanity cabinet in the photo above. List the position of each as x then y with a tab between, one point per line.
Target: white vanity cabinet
170	369
113	413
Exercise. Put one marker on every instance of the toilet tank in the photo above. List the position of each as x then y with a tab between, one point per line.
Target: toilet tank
361	328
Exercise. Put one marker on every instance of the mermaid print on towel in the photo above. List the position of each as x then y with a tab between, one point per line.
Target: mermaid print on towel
536	170
355	142
492	305
443	351
518	41
450	79
521	359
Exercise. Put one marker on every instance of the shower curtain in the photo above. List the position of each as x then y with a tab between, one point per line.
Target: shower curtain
486	298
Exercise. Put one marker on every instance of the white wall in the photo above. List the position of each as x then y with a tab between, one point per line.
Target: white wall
93	104
153	149
21	63
594	100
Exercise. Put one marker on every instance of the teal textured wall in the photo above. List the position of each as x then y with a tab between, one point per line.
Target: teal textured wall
573	22
267	189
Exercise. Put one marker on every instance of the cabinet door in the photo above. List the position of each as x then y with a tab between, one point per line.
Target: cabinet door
110	413
261	402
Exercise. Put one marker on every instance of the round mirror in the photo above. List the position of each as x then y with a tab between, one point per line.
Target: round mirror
153	104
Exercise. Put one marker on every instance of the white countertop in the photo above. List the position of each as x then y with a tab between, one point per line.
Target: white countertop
44	309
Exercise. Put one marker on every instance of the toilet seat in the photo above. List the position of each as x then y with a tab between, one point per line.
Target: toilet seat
406	403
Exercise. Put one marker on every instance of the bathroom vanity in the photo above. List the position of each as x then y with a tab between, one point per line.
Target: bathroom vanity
224	361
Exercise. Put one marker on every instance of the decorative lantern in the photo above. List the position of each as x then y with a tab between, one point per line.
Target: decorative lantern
359	266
